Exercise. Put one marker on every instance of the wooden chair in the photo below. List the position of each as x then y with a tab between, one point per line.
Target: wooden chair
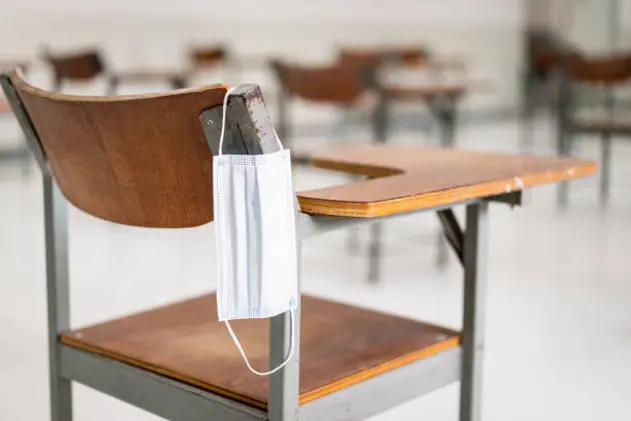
603	74
441	96
120	159
342	86
544	58
208	56
89	64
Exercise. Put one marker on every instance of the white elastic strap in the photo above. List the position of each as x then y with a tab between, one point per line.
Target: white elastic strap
223	122
223	118
292	345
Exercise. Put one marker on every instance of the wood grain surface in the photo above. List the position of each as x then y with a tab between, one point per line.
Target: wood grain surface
411	178
340	346
136	160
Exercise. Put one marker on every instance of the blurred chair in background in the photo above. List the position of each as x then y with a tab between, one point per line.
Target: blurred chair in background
545	53
209	58
340	85
438	93
89	64
19	152
582	77
177	361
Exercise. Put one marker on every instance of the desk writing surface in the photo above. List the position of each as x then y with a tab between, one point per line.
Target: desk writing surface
404	179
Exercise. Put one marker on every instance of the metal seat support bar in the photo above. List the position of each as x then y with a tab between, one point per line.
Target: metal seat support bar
386	391
159	395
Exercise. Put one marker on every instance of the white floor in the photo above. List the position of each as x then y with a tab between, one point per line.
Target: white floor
558	305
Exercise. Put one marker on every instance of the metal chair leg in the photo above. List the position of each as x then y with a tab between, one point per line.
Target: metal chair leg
58	295
605	162
284	388
475	247
563	149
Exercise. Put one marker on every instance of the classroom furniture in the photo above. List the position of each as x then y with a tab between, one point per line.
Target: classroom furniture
586	78
545	53
178	361
344	86
88	64
441	96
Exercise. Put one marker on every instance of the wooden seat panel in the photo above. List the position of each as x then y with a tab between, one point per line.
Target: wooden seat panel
341	345
411	178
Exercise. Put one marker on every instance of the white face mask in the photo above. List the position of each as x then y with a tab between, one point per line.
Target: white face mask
256	238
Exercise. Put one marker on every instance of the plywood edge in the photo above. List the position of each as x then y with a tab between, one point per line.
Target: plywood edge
316	206
399	362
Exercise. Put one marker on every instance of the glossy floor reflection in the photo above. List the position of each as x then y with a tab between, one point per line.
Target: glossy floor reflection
559	288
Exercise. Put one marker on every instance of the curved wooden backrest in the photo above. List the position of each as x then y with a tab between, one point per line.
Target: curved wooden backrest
83	65
378	56
134	160
339	84
207	56
601	70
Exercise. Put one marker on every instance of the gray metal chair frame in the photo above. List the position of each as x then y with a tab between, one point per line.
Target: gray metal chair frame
21	152
179	402
568	126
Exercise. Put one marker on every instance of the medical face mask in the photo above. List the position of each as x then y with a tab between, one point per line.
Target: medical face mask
254	207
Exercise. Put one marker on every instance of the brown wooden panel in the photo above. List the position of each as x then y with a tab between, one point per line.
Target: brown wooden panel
340	346
603	70
410	178
136	160
208	56
82	65
149	75
340	84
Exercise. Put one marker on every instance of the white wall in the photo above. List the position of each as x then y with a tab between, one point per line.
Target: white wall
142	32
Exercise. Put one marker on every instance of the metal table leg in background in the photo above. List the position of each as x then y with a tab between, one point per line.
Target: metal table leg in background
605	163
475	250
374	252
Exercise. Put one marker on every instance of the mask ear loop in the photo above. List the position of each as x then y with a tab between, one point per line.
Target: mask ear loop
292	344
223	119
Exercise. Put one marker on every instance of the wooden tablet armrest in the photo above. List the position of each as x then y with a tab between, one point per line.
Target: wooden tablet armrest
405	179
